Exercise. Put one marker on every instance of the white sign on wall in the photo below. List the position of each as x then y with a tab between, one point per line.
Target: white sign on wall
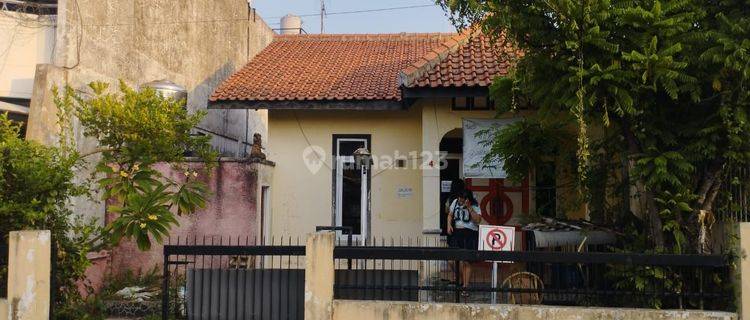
404	192
445	186
477	132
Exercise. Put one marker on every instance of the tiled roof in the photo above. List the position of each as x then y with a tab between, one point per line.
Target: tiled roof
328	67
466	60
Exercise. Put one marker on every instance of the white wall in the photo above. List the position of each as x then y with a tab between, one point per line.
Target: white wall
25	41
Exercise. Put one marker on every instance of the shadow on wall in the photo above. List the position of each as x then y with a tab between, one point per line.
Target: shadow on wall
231	129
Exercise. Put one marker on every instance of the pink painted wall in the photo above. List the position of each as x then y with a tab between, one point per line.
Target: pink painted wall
229	213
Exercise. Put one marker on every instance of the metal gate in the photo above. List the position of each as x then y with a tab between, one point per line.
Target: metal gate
223	279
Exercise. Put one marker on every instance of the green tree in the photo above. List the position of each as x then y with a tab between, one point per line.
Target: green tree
664	80
134	130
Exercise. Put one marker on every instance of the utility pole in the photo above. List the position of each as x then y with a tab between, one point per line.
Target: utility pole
322	14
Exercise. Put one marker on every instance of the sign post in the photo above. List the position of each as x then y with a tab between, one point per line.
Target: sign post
496	238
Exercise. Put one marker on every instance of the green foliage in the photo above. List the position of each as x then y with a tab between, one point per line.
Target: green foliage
667	79
36	183
135	131
527	144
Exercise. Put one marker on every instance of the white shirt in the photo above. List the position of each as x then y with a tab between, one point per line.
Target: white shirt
462	216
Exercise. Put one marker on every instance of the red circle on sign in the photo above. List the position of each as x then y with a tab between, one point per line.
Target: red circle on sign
496	239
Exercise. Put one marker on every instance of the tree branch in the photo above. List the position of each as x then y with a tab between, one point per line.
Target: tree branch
95	151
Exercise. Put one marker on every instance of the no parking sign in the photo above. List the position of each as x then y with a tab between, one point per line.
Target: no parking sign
496	238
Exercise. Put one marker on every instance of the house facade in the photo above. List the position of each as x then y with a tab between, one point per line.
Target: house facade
405	98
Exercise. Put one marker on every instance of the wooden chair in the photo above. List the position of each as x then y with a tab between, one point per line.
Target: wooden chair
523	280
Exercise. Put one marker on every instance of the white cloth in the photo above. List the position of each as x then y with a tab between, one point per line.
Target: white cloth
462	216
477	134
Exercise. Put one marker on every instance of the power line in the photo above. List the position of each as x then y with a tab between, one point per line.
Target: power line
361	11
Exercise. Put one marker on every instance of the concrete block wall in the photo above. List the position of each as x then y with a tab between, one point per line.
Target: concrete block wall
29	262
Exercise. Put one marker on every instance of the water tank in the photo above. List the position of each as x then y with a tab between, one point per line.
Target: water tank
291	24
167	89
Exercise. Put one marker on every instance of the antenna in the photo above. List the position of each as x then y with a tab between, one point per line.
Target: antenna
322	14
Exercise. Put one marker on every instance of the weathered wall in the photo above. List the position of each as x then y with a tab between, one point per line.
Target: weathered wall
229	213
195	43
378	310
302	199
26	41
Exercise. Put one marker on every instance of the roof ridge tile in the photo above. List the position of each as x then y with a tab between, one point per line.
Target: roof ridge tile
409	75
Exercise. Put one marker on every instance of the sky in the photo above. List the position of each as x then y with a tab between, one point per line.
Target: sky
425	18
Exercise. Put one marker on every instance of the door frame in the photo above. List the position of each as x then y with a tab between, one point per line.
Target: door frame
365	207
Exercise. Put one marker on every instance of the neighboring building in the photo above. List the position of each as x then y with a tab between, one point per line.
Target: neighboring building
404	97
26	39
194	43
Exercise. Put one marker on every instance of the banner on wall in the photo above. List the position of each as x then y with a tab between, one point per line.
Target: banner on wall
477	134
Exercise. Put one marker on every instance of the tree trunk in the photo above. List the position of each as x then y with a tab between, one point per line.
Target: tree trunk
704	208
711	177
651	214
654	221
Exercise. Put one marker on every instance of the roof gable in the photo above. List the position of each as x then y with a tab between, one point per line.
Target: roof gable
470	59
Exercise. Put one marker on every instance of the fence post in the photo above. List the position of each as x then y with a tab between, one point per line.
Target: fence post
743	295
165	287
319	274
29	257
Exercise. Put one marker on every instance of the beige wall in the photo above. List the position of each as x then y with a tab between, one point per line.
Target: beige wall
25	41
303	200
195	43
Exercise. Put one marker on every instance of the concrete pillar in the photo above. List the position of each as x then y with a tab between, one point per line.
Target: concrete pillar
29	257
4	312
42	125
319	272
431	136
743	296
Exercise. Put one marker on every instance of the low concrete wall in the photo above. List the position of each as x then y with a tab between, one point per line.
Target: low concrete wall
378	310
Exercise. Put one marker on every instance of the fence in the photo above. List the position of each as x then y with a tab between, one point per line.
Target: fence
234	279
733	202
553	278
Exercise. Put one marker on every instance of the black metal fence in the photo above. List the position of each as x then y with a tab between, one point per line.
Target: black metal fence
733	202
245	279
532	277
219	278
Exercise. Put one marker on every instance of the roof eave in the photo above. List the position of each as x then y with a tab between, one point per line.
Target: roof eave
444	92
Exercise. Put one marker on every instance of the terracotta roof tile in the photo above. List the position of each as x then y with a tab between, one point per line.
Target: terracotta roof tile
329	67
469	59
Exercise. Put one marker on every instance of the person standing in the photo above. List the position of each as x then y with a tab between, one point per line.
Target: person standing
466	216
